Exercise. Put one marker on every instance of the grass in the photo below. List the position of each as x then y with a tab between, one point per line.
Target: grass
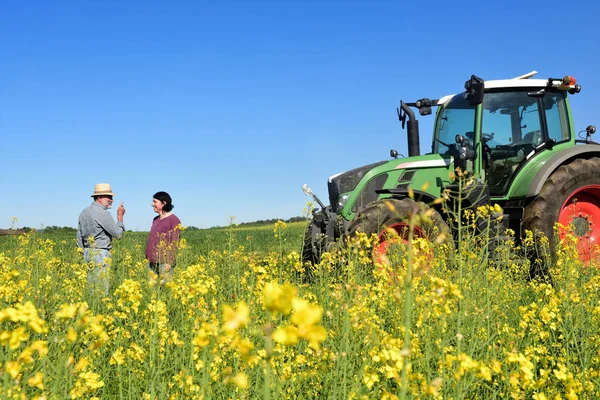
239	321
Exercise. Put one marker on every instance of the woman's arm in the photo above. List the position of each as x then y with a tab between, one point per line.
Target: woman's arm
172	242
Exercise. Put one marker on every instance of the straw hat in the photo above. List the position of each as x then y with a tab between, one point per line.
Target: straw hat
102	189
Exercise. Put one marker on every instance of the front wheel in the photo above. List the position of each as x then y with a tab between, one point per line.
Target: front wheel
311	245
393	214
571	197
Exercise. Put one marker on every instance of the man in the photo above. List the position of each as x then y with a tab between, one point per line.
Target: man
95	233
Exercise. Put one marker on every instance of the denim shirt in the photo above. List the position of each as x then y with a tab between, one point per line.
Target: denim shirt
96	221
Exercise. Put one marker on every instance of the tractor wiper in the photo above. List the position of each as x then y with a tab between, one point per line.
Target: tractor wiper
439	141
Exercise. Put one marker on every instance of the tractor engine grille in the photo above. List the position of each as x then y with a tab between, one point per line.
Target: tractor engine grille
407	176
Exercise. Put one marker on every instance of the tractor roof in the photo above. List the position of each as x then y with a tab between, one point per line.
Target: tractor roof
522	81
519	81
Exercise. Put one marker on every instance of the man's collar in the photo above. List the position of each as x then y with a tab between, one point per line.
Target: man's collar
99	205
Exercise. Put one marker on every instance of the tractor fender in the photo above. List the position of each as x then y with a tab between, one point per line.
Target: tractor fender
561	158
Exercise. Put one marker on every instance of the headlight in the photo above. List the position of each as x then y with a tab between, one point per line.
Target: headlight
341	202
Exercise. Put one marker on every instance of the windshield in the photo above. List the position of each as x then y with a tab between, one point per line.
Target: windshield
457	117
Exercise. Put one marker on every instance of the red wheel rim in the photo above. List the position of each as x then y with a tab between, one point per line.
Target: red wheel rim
580	215
386	239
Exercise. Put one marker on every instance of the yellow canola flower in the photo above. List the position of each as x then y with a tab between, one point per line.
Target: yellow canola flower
37	381
279	226
67	311
26	356
561	372
202	338
243	346
370	377
315	335
87	382
439	200
287	336
117	357
38	326
14	338
279	298
24	313
485	373
13	368
241	380
235	319
41	346
496	366
96	327
305	317
174	338
81	365
4	337
71	335
305	313
434	387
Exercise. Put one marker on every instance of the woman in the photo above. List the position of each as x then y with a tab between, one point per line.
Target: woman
164	235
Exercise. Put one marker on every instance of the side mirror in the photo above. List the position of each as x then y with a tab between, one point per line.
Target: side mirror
591	129
474	88
464	153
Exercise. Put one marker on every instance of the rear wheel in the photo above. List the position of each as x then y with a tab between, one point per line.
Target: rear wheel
571	196
381	218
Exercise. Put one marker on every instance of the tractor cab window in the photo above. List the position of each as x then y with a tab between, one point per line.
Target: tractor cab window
511	129
457	117
556	116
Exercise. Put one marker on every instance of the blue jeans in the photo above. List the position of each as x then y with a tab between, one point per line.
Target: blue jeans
98	276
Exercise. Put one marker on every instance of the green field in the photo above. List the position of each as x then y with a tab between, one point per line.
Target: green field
240	319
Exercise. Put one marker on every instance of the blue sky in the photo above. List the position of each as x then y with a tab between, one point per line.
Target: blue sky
232	106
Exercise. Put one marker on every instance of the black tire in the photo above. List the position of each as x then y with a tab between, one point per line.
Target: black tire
377	216
313	245
310	251
568	180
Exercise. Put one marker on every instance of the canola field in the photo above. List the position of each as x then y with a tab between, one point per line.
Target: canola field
240	319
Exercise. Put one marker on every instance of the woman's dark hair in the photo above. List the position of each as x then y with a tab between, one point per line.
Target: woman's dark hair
165	198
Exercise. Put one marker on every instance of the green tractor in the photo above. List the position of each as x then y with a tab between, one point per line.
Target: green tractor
514	137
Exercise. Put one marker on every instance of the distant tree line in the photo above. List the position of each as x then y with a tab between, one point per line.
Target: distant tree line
45	229
260	222
58	229
272	221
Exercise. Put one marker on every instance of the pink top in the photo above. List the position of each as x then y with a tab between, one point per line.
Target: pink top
163	240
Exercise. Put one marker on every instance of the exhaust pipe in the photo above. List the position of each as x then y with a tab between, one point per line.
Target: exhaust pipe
412	130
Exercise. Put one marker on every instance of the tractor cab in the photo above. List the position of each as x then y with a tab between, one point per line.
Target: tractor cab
495	127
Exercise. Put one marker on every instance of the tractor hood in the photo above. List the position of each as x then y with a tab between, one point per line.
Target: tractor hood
350	190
